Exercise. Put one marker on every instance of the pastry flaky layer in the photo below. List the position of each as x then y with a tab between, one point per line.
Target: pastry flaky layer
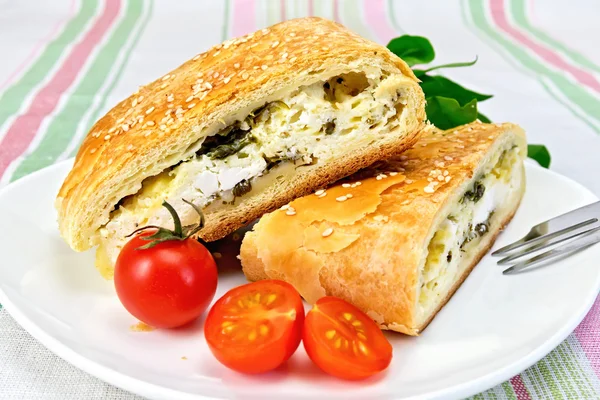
398	238
216	131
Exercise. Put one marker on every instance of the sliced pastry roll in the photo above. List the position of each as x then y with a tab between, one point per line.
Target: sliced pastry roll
399	238
239	130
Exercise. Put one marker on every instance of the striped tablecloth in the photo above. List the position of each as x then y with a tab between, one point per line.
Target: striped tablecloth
66	62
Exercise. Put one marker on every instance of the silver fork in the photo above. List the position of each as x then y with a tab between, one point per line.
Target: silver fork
567	234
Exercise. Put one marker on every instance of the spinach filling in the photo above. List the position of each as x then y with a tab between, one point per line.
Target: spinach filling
226	143
474	194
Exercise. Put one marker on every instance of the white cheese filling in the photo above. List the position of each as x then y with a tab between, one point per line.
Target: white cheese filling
460	233
309	125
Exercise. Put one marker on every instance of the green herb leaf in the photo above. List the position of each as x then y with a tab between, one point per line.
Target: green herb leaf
483	118
412	49
539	153
446	113
444	87
451	65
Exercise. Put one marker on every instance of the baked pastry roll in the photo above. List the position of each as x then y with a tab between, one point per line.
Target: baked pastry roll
398	238
239	130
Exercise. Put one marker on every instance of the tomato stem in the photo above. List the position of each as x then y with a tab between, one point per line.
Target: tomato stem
179	233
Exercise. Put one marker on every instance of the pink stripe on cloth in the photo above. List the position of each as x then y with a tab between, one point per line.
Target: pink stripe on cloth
282	14
377	20
519	388
311	8
40	45
588	334
336	11
552	58
244	17
24	128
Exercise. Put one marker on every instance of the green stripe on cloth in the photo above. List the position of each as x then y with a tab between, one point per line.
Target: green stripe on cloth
323	8
575	94
509	391
226	16
390	6
13	97
64	125
518	11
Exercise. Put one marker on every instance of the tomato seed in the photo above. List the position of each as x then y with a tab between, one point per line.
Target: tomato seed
330	334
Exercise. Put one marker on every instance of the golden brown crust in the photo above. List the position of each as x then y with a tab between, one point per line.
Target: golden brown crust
165	121
379	270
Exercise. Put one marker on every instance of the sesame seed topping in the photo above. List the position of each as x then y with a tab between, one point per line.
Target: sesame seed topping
120	120
195	58
130	147
170	98
448	158
275	44
92	151
409	181
263	67
440	178
111	130
164	85
110	161
147	134
327	232
290	212
393	173
491	137
216	75
292	34
192	105
217	53
236	65
167	76
148	111
189	99
150	123
125	127
320	192
322	195
285	206
163	127
460	146
346	185
245	75
448	178
341	198
446	173
349	195
358	183
134	103
428	189
226	80
435	184
430	179
107	137
208	85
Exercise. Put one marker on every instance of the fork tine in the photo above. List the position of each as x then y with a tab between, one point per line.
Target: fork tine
541	246
586	240
531	238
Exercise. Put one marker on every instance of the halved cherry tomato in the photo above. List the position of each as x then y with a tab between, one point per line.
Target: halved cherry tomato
255	327
343	341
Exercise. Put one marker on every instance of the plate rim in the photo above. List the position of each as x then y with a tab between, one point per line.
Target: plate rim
151	390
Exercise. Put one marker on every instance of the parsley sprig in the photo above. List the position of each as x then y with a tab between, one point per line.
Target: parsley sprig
448	104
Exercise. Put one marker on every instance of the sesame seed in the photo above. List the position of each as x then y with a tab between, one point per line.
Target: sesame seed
446	173
134	103
110	161
378	178
491	137
393	173
125	127
130	147
448	158
226	80
341	198
290	212
346	185
148	111
236	65
111	130
349	195
150	123
320	192
92	151
470	129
430	179
428	189
163	127
460	146
358	183
409	181
164	85
195	58
170	98
264	67
217	53
435	184
440	178
327	232
199	74
217	255
189	99
208	85
245	75
448	178
293	59
147	134
216	75
322	195
192	105
107	137
455	132
285	207
120	120
292	34
167	76
275	44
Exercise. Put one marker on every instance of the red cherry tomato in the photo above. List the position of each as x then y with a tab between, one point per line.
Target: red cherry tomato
255	327
167	285
343	341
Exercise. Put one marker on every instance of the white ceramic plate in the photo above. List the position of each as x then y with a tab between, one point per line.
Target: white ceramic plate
494	327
